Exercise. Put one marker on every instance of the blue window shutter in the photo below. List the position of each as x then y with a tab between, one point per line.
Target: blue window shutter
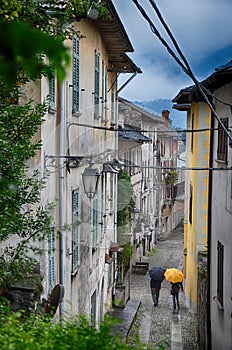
95	220
76	74
96	82
51	259
75	197
52	92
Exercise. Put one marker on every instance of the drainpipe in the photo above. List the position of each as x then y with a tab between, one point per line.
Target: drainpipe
209	235
61	186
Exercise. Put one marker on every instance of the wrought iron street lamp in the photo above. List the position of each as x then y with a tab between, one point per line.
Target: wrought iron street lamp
90	178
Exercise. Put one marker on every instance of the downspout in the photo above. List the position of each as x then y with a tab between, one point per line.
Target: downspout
209	235
61	186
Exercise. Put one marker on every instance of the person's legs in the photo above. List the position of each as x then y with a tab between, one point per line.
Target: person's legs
154	296
174	301
177	300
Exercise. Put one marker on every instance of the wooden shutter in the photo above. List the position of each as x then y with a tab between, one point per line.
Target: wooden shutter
76	71
95	220
103	93
112	104
220	268
51	259
52	92
96	83
75	197
222	140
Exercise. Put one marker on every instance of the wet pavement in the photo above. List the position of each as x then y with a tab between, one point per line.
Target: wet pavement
161	324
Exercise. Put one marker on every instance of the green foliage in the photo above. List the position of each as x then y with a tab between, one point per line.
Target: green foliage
20	50
22	220
125	201
39	333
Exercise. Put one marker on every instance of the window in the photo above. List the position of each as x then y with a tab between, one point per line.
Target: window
51	259
75	195
111	193
95	220
103	93
220	263
112	104
76	71
96	83
222	140
52	92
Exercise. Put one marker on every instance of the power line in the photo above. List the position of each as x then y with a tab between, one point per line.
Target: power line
144	130
186	67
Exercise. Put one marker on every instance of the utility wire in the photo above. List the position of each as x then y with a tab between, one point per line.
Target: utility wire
186	67
144	130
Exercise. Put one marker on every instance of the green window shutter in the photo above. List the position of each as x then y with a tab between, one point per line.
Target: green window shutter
111	193
75	197
95	220
105	98
112	104
51	259
52	92
96	82
103	92
76	74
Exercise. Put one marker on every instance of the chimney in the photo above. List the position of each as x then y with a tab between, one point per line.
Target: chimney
165	117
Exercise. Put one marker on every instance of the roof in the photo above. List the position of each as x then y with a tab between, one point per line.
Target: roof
113	35
133	135
221	76
141	111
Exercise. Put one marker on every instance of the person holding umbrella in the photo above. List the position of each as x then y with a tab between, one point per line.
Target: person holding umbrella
157	276
175	277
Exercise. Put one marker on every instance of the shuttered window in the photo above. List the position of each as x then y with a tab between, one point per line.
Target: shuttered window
52	92
95	220
103	93
51	259
75	198
222	140
76	75
112	104
96	83
220	268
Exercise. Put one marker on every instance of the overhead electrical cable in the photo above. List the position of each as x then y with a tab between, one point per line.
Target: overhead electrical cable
186	67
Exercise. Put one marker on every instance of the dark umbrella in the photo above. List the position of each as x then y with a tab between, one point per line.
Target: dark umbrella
157	273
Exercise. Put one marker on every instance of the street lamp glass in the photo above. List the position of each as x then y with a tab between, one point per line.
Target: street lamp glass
90	178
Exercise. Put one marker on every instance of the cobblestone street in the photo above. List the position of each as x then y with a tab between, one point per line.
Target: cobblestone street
159	324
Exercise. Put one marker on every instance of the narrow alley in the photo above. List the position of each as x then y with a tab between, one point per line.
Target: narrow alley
160	325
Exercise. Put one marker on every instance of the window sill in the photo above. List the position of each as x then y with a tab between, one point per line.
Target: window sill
76	114
74	273
51	110
221	162
97	115
218	303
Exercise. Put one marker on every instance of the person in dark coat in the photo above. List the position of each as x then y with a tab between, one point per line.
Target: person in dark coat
175	288
155	289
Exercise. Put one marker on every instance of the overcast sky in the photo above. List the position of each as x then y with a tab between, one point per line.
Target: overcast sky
203	30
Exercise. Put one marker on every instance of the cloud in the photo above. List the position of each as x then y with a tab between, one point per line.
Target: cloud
202	30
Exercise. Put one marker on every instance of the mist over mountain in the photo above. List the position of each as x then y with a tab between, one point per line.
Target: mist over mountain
157	106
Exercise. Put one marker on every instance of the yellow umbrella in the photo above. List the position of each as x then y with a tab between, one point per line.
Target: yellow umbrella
174	275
